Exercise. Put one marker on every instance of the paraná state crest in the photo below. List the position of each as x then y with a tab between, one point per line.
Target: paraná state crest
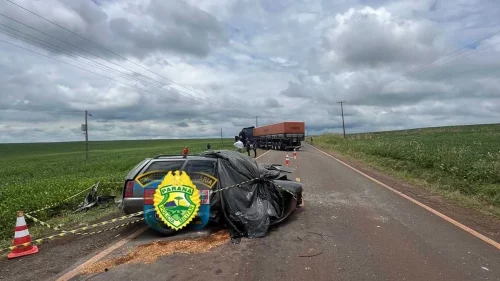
176	200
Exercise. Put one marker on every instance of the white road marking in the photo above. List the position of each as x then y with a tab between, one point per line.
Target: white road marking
99	256
262	154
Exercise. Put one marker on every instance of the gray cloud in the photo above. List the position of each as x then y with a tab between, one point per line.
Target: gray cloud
280	61
182	124
374	37
130	29
273	103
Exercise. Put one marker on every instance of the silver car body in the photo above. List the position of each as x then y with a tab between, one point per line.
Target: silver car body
189	163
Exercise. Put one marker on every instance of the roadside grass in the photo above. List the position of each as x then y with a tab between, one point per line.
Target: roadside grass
66	220
33	176
461	163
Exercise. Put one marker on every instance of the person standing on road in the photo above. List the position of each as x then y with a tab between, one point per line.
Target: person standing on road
185	151
248	146
311	140
239	145
255	149
208	146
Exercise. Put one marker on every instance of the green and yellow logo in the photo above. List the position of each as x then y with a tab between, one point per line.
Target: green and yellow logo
176	200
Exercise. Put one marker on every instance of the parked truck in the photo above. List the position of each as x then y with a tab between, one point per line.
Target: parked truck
280	136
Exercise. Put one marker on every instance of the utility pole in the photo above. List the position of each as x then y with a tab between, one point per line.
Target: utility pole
342	109
85	129
221	140
256	124
86	137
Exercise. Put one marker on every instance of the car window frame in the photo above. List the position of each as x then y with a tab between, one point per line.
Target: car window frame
204	159
145	169
183	168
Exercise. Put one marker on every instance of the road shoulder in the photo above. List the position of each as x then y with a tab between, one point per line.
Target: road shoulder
487	225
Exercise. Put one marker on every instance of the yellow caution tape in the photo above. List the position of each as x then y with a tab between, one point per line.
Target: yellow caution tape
75	231
56	204
111	228
41	222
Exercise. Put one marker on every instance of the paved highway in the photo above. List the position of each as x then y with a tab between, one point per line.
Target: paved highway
353	229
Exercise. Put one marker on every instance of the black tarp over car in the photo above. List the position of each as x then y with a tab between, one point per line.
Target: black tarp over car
250	208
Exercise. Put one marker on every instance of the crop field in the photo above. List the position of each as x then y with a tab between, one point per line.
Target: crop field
461	162
35	175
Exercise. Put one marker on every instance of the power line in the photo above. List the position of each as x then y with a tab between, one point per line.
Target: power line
74	46
42	110
450	55
464	56
173	82
75	57
57	49
110	51
90	41
83	69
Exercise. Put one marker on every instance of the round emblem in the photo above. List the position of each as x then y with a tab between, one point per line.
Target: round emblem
176	200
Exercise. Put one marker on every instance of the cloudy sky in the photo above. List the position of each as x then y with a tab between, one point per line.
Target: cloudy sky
175	69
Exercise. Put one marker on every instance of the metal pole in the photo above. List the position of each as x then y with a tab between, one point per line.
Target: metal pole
256	123
86	137
221	140
342	110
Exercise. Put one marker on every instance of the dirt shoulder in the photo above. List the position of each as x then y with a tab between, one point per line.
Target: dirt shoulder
56	256
487	225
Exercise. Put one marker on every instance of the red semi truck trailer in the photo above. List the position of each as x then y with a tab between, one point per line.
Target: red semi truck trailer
280	136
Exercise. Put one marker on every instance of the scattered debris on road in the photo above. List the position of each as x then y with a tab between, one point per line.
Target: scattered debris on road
309	256
320	234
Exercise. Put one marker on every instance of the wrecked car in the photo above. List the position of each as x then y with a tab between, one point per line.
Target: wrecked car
235	190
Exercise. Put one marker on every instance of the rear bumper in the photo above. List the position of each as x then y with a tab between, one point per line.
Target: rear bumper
132	205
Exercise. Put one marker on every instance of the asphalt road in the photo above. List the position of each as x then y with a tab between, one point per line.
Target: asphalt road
353	229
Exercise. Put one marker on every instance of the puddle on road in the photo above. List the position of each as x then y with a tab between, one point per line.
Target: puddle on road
149	253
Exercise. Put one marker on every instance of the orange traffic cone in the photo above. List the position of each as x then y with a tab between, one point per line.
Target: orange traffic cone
22	239
287	160
294	154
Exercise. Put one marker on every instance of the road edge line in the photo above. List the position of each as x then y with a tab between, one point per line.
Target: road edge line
262	154
100	255
443	216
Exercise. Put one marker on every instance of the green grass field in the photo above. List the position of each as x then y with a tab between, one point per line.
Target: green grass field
35	175
461	162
